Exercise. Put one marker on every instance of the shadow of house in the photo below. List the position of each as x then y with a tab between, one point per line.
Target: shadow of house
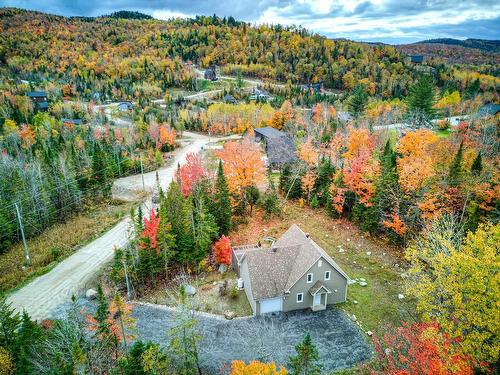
39	99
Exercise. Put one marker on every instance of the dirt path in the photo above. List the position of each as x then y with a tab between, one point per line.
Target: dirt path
44	294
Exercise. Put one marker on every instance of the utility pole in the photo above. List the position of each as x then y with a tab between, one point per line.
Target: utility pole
25	244
142	175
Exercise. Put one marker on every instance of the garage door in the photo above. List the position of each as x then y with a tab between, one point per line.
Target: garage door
271	305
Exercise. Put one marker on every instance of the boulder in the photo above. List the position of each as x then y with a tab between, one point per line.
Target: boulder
355	302
229	315
369	333
91	294
190	290
401	296
222	268
368	253
361	279
363	283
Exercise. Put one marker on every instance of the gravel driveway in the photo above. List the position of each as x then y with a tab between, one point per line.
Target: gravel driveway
271	338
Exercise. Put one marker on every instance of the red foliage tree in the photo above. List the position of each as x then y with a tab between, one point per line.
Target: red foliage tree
419	349
149	235
222	250
190	173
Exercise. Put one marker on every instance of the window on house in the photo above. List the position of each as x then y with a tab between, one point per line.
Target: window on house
300	297
320	263
327	275
309	277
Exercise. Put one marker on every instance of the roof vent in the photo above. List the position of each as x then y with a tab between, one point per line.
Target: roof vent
274	249
308	235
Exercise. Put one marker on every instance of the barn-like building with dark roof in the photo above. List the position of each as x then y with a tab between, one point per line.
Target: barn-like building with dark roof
279	146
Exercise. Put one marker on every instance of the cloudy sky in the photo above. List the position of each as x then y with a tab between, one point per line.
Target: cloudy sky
390	21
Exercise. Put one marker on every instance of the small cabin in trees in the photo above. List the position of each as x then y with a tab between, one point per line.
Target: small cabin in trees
259	95
125	106
230	99
295	273
417	59
210	74
39	99
314	87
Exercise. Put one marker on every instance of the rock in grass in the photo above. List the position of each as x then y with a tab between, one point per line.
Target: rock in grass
190	290
401	296
229	315
91	294
363	283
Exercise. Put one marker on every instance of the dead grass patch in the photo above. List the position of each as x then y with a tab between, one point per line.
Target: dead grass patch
58	242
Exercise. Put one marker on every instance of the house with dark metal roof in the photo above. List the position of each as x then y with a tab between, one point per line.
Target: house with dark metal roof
279	146
417	59
295	273
210	74
39	99
230	99
489	110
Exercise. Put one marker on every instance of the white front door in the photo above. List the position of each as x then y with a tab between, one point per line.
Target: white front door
317	299
271	305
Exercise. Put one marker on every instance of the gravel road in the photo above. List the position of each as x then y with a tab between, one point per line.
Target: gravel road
45	293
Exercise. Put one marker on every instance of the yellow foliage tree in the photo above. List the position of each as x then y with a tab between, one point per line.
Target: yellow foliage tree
457	284
256	368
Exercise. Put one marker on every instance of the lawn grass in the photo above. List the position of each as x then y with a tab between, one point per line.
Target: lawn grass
444	133
58	242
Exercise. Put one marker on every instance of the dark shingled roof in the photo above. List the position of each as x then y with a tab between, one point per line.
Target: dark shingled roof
280	150
273	271
269	132
488	110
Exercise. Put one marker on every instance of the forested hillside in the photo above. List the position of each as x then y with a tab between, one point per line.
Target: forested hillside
129	57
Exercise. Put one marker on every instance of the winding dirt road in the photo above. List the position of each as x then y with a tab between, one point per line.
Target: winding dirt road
44	294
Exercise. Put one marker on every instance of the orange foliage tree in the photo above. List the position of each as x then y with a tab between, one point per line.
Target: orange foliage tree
415	166
360	169
243	165
419	349
256	368
222	250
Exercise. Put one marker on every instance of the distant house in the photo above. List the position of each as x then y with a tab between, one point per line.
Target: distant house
294	274
489	110
259	95
39	99
344	116
417	59
74	121
315	87
125	106
230	99
210	74
279	146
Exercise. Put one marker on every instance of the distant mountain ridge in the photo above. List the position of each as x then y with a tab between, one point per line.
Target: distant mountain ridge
482	44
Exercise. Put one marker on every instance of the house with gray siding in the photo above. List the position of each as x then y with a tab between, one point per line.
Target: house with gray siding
295	273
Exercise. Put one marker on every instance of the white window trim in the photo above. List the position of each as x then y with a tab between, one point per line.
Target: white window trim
329	275
312	278
301	297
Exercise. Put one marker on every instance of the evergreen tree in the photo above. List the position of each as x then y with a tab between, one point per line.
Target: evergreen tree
323	180
290	185
205	229
306	362
421	98
455	174
221	203
101	317
358	101
252	196
179	212
477	165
